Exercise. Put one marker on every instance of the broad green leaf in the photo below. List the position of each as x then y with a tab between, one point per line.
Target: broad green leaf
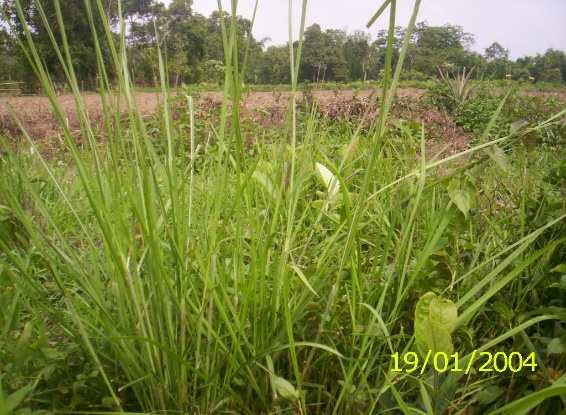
265	182
318	204
461	197
284	388
497	154
280	386
435	319
329	180
51	353
559	268
556	346
24	341
443	313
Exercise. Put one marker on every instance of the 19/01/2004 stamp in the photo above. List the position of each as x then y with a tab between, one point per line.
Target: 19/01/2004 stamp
442	362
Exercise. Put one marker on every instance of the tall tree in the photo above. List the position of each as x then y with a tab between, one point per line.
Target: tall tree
378	50
9	58
497	61
77	29
134	10
496	52
314	61
446	46
550	67
357	53
323	55
274	66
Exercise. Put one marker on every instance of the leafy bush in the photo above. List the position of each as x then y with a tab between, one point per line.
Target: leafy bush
535	109
415	76
551	75
519	110
459	84
440	96
474	115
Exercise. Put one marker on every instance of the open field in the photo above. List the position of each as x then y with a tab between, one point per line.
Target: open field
476	230
267	109
36	115
35	112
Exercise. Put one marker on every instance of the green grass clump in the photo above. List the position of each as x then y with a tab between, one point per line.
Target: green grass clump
181	269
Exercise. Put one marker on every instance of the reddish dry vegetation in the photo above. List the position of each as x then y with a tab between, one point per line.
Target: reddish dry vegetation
268	109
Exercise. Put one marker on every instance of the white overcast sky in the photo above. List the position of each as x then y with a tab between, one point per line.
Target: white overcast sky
525	27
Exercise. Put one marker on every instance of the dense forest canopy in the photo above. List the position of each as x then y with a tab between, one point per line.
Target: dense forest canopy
193	47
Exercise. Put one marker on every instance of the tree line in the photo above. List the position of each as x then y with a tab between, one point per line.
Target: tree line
193	48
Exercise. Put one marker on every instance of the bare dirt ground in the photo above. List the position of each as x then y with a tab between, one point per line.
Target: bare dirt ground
40	123
38	119
265	108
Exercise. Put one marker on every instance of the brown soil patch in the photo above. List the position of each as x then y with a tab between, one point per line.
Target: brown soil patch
40	123
267	109
559	95
37	117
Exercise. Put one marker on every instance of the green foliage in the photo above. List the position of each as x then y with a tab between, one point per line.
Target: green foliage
324	55
440	96
547	66
518	111
459	85
496	52
9	404
441	46
435	320
462	195
551	75
190	43
497	64
447	37
416	77
357	55
474	115
9	60
77	31
274	66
